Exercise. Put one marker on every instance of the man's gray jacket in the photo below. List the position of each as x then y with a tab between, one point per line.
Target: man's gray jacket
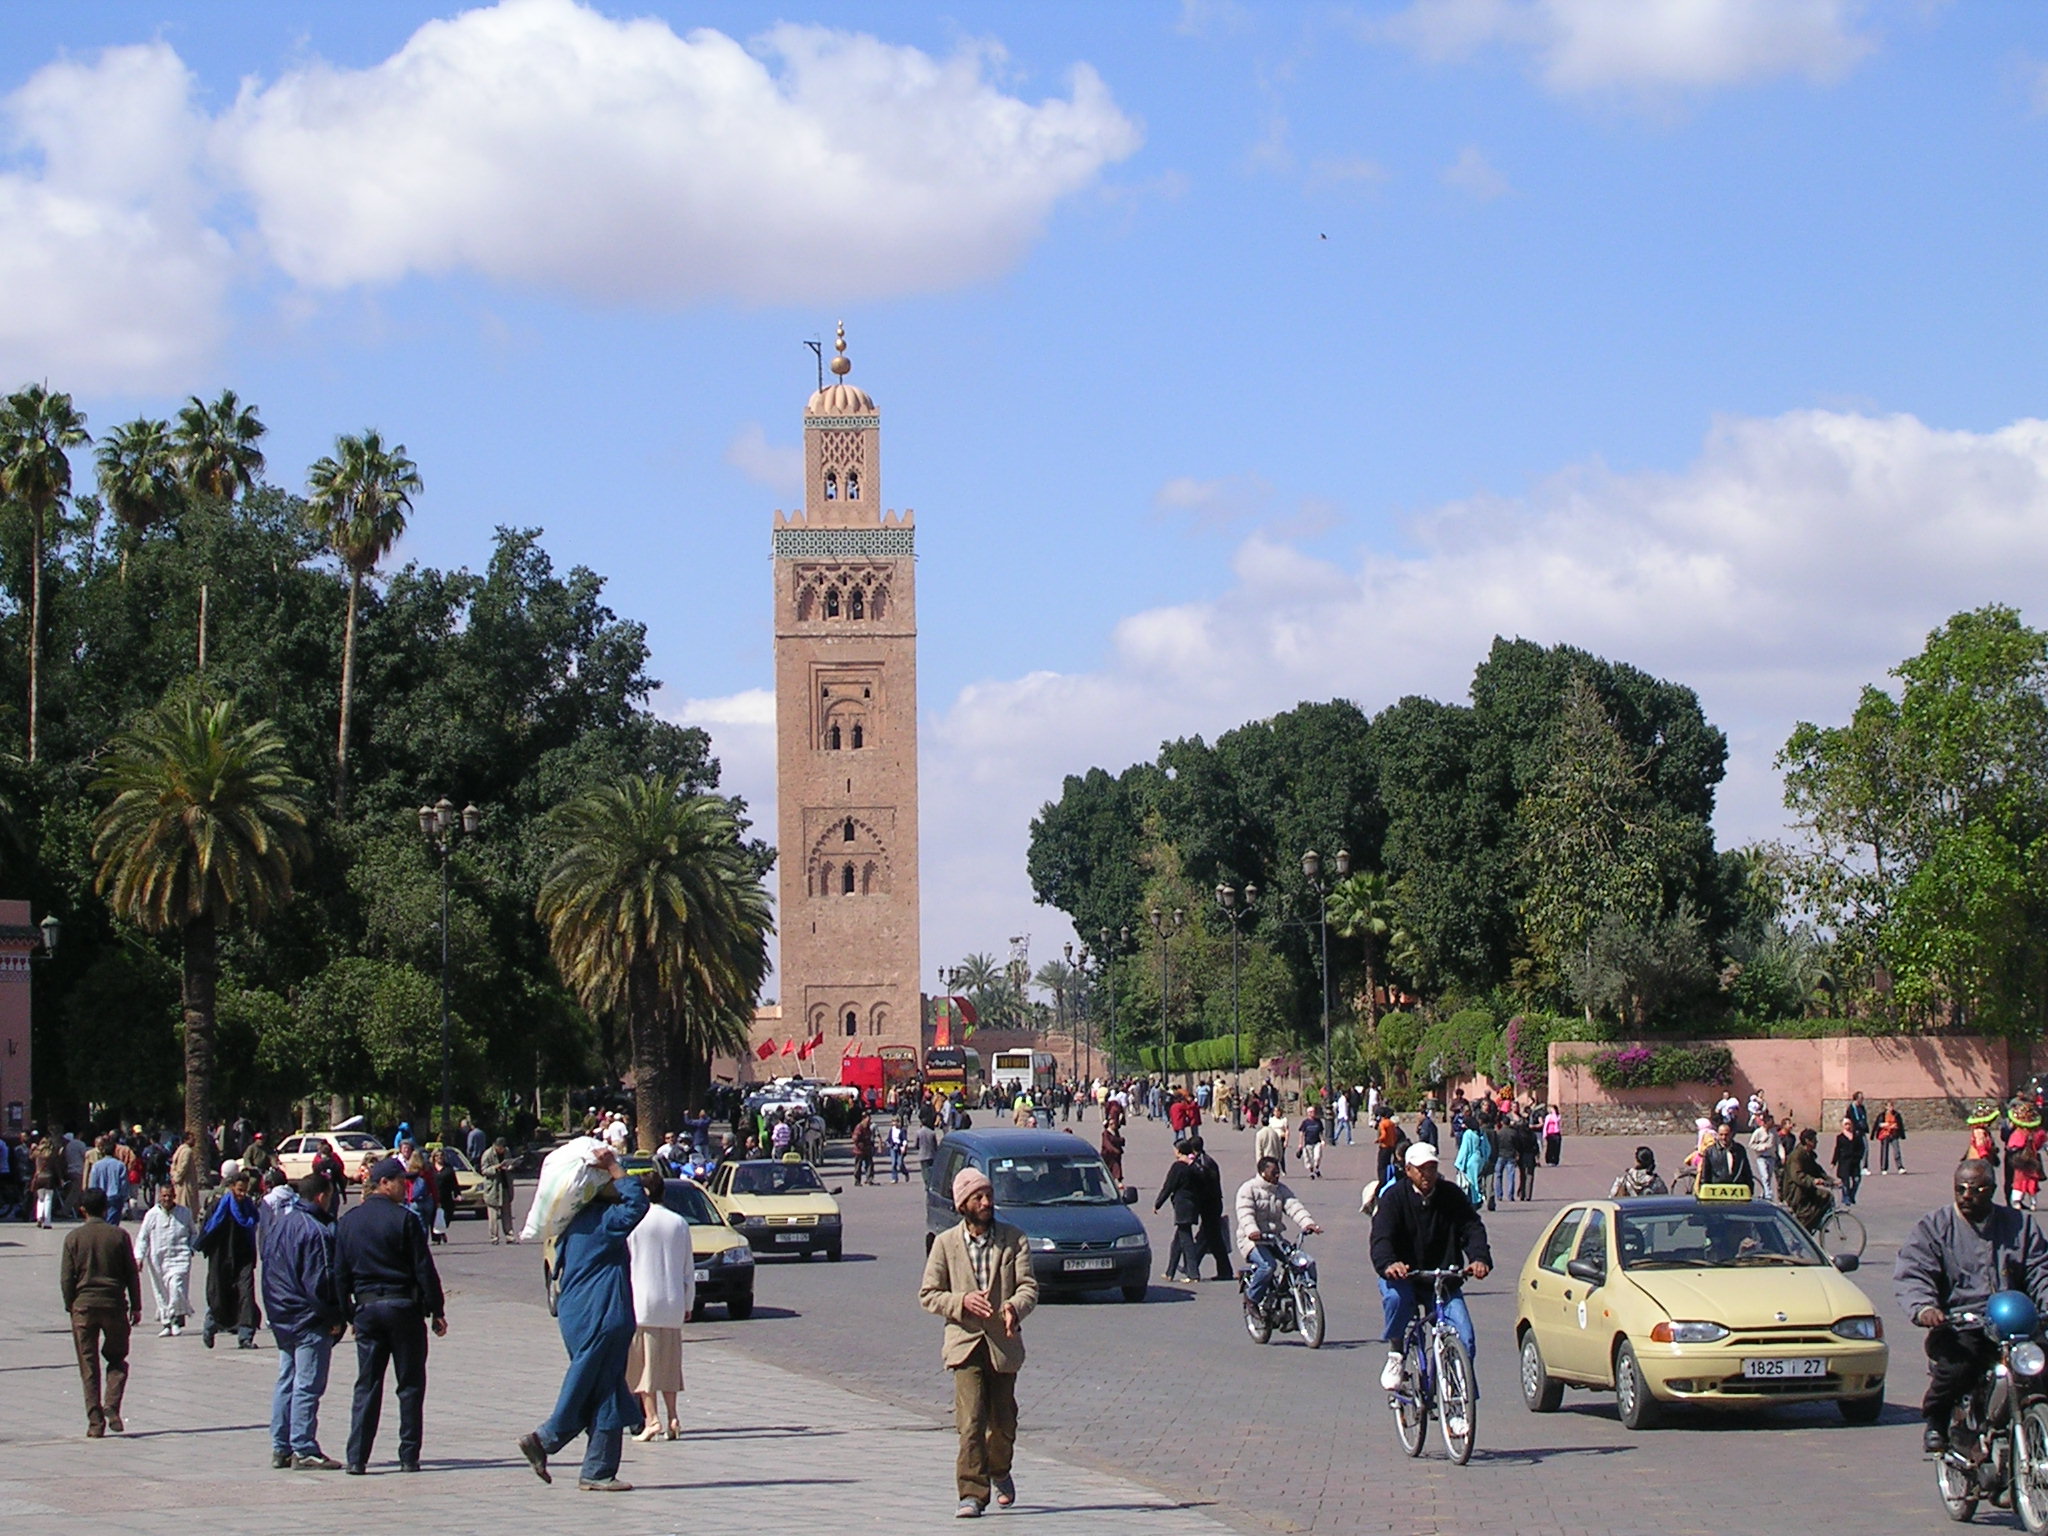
1950	1264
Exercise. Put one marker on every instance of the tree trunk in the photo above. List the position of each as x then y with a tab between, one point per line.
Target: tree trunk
653	1071
202	969
35	623
348	686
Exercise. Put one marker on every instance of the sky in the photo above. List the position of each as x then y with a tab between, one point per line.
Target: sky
1230	355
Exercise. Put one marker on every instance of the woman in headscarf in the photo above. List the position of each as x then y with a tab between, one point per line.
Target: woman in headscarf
1643	1179
164	1245
1474	1143
228	1239
595	1311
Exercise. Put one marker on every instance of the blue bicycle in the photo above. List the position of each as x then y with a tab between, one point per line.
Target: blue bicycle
1436	1375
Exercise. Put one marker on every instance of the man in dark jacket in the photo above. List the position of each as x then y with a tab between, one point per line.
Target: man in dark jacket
387	1286
1180	1187
1213	1236
102	1290
297	1244
1425	1222
228	1239
1726	1160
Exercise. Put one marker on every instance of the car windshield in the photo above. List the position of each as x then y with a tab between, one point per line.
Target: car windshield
1707	1237
774	1179
356	1141
688	1202
1052	1180
455	1160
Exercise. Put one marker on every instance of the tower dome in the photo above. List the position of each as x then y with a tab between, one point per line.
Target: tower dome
840	398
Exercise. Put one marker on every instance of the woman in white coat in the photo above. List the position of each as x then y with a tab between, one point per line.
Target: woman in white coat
165	1248
664	1290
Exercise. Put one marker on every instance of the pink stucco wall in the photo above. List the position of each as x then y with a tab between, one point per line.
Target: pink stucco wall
17	937
1811	1078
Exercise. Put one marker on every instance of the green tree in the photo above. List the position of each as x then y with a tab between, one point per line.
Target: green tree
38	428
1083	857
206	825
138	479
215	446
1362	909
656	914
361	495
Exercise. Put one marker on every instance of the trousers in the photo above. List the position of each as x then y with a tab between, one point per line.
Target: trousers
1399	1305
389	1332
302	1360
1212	1239
1184	1257
985	1414
1955	1360
101	1333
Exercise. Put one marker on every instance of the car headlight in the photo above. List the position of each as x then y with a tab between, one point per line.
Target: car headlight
1130	1240
757	1221
1859	1328
739	1254
1688	1333
2028	1358
1040	1244
830	1219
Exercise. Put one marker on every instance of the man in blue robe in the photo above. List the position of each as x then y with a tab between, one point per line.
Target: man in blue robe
596	1313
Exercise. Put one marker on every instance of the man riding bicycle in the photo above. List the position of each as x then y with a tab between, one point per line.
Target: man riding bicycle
1264	1207
1955	1259
1425	1222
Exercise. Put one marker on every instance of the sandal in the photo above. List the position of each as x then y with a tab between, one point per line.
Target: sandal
675	1429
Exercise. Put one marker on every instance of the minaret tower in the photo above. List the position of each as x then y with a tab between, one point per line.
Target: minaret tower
846	747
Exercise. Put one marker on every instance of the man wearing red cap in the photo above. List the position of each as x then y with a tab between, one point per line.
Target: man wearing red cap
978	1278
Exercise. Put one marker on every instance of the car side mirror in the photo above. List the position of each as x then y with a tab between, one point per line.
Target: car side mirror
1847	1262
736	1219
1130	1194
1586	1270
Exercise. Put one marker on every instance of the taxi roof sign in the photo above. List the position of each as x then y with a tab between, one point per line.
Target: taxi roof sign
1724	1192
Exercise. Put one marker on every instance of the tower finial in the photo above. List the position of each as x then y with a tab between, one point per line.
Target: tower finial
841	364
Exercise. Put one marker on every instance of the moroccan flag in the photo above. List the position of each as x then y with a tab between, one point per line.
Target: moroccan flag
817	1041
803	1052
789	1047
764	1050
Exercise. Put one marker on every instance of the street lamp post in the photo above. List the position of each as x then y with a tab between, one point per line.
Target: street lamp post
1066	1023
1312	871
1112	946
439	823
1227	899
1165	925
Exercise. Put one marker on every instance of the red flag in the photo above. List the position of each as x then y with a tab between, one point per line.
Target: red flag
817	1041
789	1047
803	1052
764	1050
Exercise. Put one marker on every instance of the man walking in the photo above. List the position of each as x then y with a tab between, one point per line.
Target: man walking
1181	1188
386	1285
185	1173
297	1244
1763	1155
228	1239
1310	1131
1213	1237
164	1247
978	1278
102	1290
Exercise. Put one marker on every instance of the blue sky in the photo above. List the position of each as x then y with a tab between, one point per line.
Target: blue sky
1230	355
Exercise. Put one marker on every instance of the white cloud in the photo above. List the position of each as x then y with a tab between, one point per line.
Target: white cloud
1472	173
778	466
1213	504
1593	45
1797	559
108	277
539	142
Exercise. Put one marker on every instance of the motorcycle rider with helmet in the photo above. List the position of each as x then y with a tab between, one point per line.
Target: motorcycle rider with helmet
1956	1259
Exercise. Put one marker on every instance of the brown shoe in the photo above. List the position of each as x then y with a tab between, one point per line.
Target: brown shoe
603	1485
536	1456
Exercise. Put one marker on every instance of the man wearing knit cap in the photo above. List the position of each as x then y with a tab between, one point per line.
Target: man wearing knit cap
978	1278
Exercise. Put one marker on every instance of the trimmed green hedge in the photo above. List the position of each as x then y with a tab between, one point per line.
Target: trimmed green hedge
1200	1055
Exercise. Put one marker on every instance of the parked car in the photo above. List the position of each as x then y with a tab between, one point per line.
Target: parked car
356	1149
1057	1191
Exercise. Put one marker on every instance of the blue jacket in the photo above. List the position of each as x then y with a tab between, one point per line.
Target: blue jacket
296	1246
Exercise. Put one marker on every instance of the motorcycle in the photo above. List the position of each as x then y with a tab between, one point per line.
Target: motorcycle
1998	1435
1292	1303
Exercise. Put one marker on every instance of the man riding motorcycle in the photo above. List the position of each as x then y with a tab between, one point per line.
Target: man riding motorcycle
1425	1222
1957	1256
1264	1207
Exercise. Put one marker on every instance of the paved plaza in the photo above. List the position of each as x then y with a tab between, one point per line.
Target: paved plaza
828	1407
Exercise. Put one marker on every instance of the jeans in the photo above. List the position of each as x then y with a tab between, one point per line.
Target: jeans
1850	1183
1891	1150
1504	1180
1343	1131
1265	1265
1398	1303
897	1172
1766	1178
302	1360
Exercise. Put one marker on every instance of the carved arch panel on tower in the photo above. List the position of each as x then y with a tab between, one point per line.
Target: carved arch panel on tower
849	592
839	866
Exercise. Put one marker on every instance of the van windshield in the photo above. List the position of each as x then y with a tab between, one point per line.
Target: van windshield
1053	1180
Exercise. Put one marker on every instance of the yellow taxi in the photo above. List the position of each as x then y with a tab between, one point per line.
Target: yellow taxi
1726	1303
778	1205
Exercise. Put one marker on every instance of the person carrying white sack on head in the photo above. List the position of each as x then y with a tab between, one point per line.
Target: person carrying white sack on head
569	1177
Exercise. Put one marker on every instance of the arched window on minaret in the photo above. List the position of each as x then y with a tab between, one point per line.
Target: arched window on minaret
846	881
846	832
876	603
806	603
867	879
858	605
832	739
853	485
831	486
832	602
857	744
852	1022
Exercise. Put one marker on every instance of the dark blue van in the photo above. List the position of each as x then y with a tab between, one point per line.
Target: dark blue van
1057	1191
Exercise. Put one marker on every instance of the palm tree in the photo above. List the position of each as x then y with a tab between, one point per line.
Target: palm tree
978	973
206	826
216	445
1057	977
1362	908
656	914
37	427
138	475
360	498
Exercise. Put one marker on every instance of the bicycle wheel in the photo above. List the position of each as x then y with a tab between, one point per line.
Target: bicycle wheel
1308	1315
1410	1400
1456	1408
1841	1232
2030	1475
1685	1182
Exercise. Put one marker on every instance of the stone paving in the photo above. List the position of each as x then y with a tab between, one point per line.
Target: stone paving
829	1406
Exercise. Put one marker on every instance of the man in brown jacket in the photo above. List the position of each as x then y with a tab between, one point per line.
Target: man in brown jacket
103	1293
978	1278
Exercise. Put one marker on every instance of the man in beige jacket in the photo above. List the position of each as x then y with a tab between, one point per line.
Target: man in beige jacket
978	1278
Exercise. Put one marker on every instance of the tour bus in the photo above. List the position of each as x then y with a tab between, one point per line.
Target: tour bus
1037	1070
954	1070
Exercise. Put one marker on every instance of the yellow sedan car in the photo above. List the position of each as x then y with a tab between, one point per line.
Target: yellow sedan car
724	1261
1670	1300
778	1206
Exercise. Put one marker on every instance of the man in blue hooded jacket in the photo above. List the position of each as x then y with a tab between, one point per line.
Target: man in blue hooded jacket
297	1244
595	1310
